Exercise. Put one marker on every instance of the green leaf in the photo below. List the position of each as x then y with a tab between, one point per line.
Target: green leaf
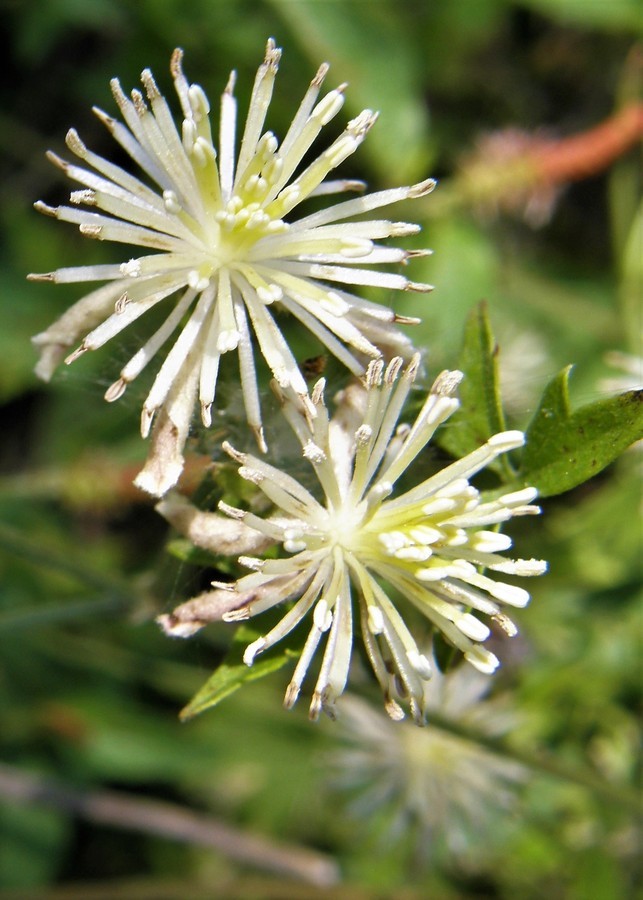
480	414
233	674
617	15
32	842
329	31
632	278
566	448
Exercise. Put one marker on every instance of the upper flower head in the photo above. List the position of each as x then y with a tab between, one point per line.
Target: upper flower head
225	249
428	543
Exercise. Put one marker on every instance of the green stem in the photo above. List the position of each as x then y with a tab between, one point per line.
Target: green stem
37	616
541	762
14	542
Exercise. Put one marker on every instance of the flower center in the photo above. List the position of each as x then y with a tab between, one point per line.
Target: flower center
241	223
343	527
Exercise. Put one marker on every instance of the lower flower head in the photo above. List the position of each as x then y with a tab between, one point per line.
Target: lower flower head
439	792
367	550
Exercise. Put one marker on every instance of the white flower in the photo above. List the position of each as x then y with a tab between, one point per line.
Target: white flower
442	788
630	378
523	365
630	367
345	554
226	250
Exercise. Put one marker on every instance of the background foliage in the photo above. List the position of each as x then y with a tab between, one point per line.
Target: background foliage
90	690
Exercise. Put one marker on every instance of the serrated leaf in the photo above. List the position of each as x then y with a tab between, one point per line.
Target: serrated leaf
566	448
233	674
480	414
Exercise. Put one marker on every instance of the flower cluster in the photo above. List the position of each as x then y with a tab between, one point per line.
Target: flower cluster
366	544
228	258
226	251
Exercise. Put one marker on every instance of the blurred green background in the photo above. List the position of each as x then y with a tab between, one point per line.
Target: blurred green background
89	688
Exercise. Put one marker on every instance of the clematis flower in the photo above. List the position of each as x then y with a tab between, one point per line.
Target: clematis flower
441	793
630	369
368	551
226	251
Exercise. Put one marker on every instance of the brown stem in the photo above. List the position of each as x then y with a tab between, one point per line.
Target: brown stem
587	153
170	821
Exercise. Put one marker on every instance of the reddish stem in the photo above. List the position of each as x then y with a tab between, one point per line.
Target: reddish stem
587	153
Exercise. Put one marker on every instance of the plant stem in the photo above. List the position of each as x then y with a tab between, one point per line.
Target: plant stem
14	542
171	821
541	762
